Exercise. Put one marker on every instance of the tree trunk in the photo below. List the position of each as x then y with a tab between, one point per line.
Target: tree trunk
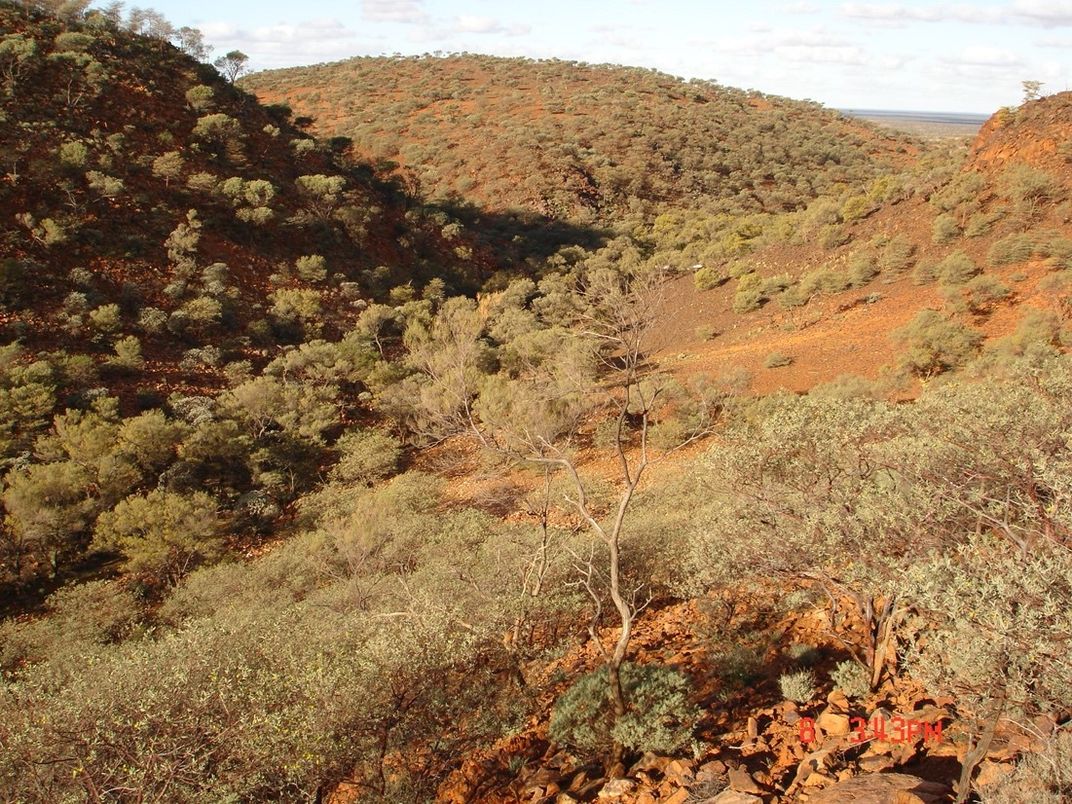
978	753
617	657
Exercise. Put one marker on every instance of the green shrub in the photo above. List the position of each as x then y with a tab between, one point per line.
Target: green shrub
1029	188
200	97
311	268
366	457
851	678
856	208
73	154
749	295
803	655
80	616
1058	253
708	277
128	356
956	269
831	236
981	223
1003	651
105	319
798	686
1045	776
1012	249
981	294
777	360
862	269
897	255
163	535
924	273
936	344
946	229
659	716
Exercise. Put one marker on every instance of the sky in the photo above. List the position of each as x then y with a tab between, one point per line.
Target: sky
925	56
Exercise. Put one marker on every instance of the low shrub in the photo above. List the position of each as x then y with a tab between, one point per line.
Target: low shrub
659	717
798	686
851	678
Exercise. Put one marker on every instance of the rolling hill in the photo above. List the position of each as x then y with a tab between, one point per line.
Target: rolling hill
578	141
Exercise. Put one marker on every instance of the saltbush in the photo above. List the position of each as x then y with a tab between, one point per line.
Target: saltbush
659	717
798	686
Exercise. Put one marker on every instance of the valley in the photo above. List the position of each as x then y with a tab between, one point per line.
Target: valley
471	428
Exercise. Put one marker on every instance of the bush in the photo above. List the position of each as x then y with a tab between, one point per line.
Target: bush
311	268
924	273
80	617
897	255
128	356
851	678
1045	776
1004	654
162	535
1012	249
1029	188
777	360
956	269
945	229
708	277
749	294
981	223
366	457
936	344
803	655
798	686
981	294
862	269
659	716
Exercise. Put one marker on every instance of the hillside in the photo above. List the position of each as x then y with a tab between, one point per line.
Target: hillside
1036	134
581	142
150	199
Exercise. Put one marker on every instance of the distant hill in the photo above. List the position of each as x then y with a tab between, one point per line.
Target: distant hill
579	141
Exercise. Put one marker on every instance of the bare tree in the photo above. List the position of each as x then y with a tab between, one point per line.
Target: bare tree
233	65
535	419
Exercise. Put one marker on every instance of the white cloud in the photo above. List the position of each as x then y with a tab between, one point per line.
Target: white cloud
812	54
1044	12
797	46
487	25
284	44
983	56
802	7
281	33
410	12
899	13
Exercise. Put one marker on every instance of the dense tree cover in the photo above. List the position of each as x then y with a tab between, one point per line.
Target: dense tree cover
592	141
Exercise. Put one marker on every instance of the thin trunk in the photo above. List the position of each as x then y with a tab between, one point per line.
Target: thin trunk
978	753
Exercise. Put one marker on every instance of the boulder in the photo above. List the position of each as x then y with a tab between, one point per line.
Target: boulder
832	723
616	788
742	781
734	797
881	788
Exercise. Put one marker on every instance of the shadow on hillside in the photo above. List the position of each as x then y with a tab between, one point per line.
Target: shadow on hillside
519	237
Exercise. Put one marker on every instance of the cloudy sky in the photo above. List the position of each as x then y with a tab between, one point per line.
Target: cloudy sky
915	55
